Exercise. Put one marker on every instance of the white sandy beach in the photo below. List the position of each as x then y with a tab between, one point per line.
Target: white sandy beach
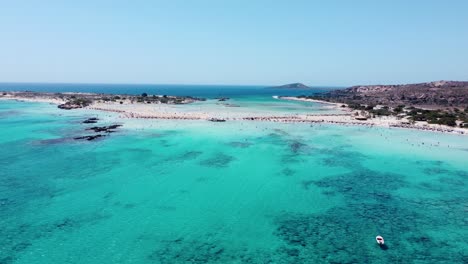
33	99
290	98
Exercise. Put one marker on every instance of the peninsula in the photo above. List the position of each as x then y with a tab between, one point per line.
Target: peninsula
70	100
440	102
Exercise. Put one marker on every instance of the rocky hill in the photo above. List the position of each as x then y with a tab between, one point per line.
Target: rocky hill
439	94
292	86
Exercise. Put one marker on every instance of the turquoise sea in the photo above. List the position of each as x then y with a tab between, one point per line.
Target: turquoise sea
235	192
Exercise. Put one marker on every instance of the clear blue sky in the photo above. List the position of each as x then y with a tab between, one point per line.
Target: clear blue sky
325	42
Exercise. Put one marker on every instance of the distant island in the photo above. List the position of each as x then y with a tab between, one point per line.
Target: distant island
292	86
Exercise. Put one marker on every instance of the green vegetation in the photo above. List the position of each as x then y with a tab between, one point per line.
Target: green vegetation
384	111
435	116
80	101
448	117
441	117
399	109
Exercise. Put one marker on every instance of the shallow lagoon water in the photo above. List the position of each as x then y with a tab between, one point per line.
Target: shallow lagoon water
234	192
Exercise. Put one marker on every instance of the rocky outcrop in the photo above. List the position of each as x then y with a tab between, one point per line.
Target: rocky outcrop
97	129
91	120
90	137
69	106
106	129
438	94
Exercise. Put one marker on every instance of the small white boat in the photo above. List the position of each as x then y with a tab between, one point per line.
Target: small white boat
379	240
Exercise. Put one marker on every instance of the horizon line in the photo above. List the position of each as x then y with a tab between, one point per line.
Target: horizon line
218	84
169	84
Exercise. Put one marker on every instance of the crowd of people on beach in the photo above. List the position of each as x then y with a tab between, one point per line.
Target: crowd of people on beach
427	128
340	119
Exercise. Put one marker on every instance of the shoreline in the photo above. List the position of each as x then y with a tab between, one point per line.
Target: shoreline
291	98
165	112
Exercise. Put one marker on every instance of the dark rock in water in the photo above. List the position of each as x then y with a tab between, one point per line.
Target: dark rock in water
90	137
222	99
107	129
69	106
91	120
217	120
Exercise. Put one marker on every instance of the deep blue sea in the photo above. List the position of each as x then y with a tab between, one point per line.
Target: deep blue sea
209	91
